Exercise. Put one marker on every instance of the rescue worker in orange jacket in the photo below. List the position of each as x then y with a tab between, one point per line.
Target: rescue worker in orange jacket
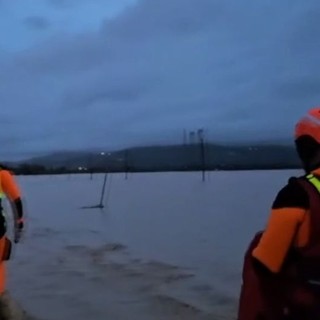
10	189
281	272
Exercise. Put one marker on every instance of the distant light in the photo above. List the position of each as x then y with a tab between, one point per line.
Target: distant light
102	153
79	168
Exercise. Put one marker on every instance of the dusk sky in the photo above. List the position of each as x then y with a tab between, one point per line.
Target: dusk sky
113	73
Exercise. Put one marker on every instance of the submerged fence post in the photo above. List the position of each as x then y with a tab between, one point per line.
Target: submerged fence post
103	190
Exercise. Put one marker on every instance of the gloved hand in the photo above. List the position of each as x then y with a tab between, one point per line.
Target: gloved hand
18	229
304	304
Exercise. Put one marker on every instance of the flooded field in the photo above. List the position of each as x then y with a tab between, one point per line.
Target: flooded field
166	246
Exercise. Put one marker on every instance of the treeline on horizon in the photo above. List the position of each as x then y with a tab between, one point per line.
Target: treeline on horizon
27	169
193	157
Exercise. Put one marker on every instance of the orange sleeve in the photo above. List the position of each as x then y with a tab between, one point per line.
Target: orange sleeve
278	237
9	186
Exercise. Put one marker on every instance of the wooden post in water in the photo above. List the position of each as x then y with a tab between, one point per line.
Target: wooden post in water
90	165
103	191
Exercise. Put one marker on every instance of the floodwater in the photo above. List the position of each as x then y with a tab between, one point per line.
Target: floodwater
166	246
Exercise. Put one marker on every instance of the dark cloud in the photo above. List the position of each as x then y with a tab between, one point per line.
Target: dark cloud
235	68
67	4
153	19
37	22
304	88
64	3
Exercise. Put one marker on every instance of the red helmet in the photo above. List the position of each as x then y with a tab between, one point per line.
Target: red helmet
309	125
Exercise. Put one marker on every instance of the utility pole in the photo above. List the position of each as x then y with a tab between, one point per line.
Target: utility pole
184	137
191	137
202	153
126	163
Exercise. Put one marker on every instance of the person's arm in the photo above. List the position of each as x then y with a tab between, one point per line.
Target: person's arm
12	191
288	211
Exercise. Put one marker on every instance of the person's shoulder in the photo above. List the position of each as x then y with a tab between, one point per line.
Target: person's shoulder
5	169
6	172
292	195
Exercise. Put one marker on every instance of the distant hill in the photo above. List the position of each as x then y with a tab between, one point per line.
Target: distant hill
174	157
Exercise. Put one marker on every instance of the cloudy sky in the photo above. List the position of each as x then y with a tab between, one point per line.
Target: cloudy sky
109	73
